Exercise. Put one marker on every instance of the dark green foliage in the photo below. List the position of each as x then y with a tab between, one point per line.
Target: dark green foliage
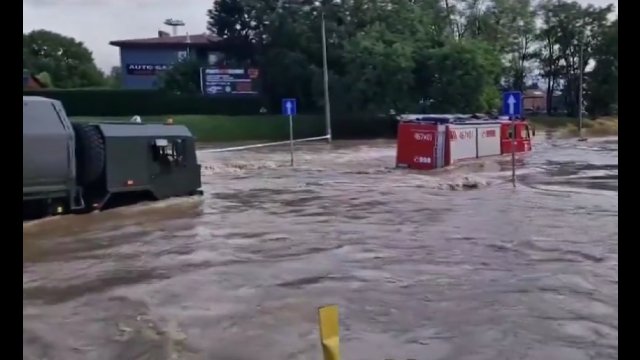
383	55
182	78
68	62
146	102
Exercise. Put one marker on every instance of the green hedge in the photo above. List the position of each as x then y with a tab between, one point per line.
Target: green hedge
362	126
100	102
213	128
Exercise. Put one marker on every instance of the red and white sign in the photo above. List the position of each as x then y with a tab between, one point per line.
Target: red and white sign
422	159
489	133
416	146
423	136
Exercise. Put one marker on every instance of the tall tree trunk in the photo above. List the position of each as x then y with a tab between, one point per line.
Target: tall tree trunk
550	85
452	24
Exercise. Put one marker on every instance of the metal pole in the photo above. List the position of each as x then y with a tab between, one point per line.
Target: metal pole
291	137
325	71
513	152
580	62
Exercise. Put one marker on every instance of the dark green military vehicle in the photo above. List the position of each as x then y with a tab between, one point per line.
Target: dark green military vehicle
80	167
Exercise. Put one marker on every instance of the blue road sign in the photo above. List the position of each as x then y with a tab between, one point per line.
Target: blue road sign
512	103
289	107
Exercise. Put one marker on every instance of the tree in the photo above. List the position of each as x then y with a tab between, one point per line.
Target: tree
566	28
508	26
241	25
183	77
114	79
519	44
548	54
602	82
68	62
380	69
465	78
453	54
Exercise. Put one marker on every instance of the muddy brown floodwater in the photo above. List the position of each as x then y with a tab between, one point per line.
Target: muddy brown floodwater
453	264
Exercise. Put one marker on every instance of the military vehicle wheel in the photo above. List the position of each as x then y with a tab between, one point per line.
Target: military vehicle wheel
90	153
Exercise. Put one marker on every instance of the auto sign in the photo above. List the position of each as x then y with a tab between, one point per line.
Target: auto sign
146	69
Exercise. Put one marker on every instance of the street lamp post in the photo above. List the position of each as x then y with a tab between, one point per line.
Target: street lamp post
580	86
325	70
325	74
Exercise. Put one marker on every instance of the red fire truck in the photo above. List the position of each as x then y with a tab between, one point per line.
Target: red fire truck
428	142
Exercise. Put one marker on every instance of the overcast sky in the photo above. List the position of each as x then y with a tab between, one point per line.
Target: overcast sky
96	22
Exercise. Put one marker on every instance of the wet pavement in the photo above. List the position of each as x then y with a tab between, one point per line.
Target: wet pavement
451	264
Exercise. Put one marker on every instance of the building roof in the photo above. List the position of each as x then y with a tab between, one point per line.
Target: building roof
534	93
168	41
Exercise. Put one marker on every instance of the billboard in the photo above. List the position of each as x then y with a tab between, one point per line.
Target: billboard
216	81
146	69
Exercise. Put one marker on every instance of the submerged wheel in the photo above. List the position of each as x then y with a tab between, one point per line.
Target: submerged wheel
90	153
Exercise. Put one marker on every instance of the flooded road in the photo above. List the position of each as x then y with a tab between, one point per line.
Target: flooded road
453	264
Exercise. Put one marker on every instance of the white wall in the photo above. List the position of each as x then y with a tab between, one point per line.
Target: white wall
489	140
472	141
462	140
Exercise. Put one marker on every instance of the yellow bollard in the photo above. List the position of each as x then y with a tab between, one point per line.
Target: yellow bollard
329	332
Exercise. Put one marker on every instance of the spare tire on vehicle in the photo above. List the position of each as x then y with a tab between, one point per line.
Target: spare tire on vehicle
90	153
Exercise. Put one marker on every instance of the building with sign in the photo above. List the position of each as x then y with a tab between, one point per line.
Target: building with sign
143	60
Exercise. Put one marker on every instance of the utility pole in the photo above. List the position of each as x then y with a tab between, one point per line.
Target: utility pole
580	90
325	73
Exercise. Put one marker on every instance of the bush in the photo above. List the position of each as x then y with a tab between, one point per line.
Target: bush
361	126
238	118
212	128
110	102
